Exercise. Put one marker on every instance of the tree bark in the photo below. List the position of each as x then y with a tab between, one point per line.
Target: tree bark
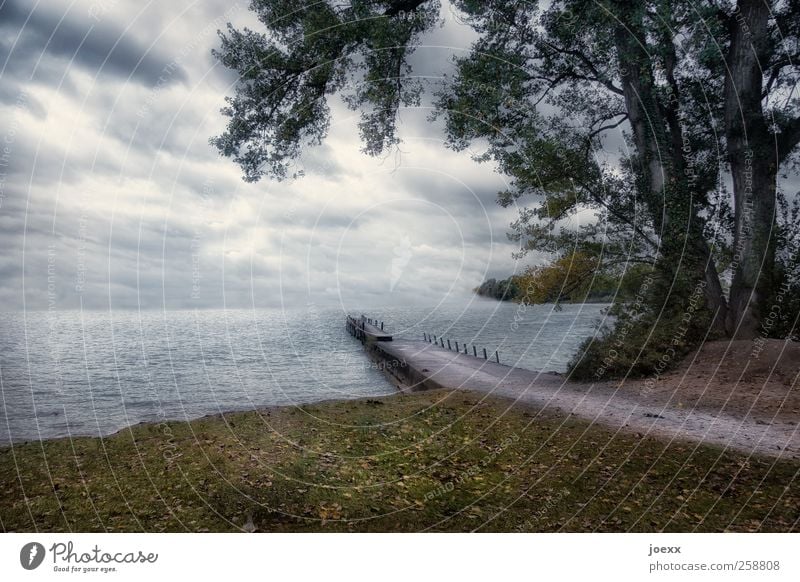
667	195
753	161
714	294
754	184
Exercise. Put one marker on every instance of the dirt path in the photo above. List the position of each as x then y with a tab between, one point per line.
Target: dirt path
667	408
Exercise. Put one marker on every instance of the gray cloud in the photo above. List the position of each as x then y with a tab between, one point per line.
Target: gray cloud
9	96
110	204
79	40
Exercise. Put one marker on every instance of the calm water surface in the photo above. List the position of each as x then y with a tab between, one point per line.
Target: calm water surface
93	373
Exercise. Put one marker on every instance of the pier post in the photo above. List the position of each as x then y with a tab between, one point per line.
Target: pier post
497	356
457	349
448	345
474	351
465	348
484	354
441	341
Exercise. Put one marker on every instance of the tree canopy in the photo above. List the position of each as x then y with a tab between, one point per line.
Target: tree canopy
703	93
313	50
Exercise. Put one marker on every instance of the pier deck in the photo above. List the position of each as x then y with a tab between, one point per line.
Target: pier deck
367	330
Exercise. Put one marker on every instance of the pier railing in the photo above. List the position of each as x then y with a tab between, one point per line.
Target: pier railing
367	329
432	339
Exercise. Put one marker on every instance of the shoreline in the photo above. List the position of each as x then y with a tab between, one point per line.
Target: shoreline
207	416
425	461
762	421
525	406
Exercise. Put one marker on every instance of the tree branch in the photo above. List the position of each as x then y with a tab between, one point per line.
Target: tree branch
619	216
788	139
598	77
603	128
775	70
399	6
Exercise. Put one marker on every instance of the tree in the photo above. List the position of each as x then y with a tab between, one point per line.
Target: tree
762	130
599	66
543	87
569	277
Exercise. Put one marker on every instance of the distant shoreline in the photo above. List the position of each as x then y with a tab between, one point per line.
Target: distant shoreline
600	301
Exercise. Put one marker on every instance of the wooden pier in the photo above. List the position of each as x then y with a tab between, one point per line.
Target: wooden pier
366	329
422	365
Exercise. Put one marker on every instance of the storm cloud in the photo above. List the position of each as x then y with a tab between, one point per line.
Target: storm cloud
78	37
112	198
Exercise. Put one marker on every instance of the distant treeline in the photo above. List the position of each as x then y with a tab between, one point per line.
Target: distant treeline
503	290
571	279
511	290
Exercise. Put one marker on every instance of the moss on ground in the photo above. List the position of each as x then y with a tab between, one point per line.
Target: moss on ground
436	461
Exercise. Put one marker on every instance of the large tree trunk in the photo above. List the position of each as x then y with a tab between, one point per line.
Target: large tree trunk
704	260
754	184
753	161
668	197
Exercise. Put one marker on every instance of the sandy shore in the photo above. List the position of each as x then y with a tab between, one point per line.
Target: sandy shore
738	378
738	395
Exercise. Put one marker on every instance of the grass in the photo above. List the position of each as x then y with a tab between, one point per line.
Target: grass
434	461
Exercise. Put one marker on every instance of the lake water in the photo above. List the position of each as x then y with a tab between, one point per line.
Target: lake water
93	373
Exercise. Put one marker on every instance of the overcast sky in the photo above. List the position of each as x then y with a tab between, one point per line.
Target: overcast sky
111	196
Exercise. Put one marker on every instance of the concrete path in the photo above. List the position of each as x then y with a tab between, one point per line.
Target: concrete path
599	403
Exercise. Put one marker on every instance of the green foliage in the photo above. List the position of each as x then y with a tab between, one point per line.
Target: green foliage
654	329
567	278
575	278
504	290
311	51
